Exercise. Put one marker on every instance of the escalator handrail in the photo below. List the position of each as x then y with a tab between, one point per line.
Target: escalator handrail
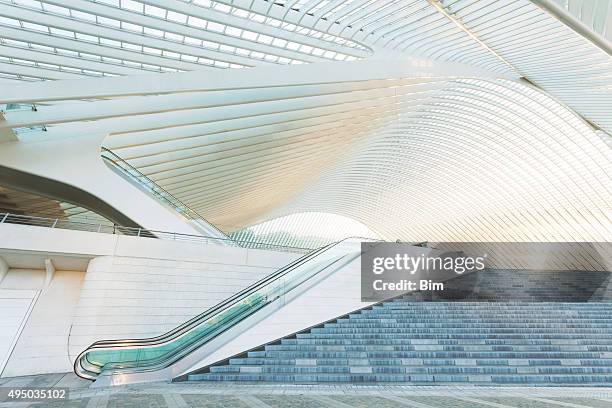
195	321
161	362
212	310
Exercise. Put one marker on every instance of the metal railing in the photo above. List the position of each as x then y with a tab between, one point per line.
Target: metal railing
107	228
151	187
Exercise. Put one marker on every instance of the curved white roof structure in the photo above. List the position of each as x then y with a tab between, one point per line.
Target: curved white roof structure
452	120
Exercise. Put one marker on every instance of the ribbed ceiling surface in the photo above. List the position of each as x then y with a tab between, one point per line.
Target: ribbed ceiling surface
423	119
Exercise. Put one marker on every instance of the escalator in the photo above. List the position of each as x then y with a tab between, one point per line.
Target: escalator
145	359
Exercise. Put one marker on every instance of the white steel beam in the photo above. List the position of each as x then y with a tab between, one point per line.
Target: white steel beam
182	29
193	100
214	15
572	22
119	35
62	60
34	71
96	49
354	100
273	76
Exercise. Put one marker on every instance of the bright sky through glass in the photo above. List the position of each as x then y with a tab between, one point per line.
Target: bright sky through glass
323	225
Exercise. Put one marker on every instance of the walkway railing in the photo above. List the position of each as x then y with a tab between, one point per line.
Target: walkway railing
8	218
151	187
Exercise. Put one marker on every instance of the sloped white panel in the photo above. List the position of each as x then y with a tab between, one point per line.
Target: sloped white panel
15	304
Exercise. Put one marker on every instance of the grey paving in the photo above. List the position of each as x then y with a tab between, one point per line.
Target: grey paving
227	395
565	404
483	402
132	400
446	402
406	402
73	403
69	380
295	401
213	401
175	401
514	402
331	402
368	401
97	401
253	402
590	402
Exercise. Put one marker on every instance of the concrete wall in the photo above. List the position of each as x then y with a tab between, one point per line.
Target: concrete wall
42	345
15	305
127	297
334	291
105	287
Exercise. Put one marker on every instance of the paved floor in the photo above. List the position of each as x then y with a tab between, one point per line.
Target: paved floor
202	395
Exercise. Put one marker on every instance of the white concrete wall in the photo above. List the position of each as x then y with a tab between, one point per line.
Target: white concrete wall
14	306
43	344
335	292
133	287
128	297
55	241
331	289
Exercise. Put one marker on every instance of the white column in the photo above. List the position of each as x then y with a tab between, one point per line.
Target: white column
49	272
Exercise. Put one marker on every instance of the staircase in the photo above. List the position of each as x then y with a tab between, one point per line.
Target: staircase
428	343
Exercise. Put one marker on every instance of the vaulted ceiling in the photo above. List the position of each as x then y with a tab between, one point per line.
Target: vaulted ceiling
423	119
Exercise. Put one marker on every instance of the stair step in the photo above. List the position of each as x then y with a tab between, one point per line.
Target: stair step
435	347
467	342
441	343
424	362
457	333
426	354
544	379
509	319
398	369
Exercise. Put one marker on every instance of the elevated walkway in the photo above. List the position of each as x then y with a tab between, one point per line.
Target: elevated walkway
10	224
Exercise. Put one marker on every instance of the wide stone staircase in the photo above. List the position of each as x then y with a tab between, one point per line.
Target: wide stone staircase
440	342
